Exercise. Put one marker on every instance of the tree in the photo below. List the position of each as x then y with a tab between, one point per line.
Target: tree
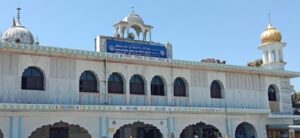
256	63
296	101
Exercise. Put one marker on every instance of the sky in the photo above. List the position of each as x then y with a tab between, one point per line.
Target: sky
223	29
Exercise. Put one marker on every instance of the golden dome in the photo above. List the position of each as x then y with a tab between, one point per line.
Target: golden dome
271	34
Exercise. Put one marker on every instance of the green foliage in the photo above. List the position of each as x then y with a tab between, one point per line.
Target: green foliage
296	103
256	63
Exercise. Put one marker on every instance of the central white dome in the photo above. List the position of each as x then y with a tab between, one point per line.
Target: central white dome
132	17
18	34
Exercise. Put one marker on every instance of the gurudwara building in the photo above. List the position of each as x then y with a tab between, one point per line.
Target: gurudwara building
131	87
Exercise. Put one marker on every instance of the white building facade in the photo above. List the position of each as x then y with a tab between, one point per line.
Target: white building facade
50	92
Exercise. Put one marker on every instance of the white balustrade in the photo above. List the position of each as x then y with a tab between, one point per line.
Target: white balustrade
116	99
138	100
159	100
181	101
218	103
86	98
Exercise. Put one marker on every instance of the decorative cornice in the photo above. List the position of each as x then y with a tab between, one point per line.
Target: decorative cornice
111	108
287	115
55	51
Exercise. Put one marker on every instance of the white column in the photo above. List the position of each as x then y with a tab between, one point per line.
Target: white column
274	56
277	56
150	35
270	56
148	92
127	92
281	55
127	30
145	35
265	57
20	126
169	93
121	32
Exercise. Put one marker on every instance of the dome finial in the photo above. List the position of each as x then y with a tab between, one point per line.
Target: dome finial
18	13
132	8
269	15
270	34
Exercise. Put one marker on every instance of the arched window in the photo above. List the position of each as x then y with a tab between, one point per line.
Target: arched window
272	93
137	85
215	90
179	87
32	79
157	86
17	41
88	82
115	84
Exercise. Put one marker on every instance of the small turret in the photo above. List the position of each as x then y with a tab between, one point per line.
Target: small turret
18	33
271	46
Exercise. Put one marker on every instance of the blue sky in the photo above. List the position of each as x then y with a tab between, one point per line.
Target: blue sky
228	30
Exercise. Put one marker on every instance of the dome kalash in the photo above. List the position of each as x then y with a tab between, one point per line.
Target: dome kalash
271	34
18	33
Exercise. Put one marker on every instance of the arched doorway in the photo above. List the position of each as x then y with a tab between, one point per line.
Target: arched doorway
200	130
245	130
138	130
60	130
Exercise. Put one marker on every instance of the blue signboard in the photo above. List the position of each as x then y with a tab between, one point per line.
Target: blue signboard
150	50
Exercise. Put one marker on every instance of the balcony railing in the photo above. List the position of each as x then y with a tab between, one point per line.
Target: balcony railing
181	101
89	98
32	97
116	99
219	103
82	98
138	100
274	106
159	100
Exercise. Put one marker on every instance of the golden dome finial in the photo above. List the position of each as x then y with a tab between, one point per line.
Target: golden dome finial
271	34
269	15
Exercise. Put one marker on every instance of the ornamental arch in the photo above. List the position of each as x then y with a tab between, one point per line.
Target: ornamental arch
138	130
200	130
217	89
245	130
273	93
137	84
116	83
273	98
158	86
89	82
60	130
33	78
180	87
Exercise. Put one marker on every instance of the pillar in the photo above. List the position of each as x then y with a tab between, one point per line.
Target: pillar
100	127
270	56
150	35
148	93
291	133
20	127
11	126
127	92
